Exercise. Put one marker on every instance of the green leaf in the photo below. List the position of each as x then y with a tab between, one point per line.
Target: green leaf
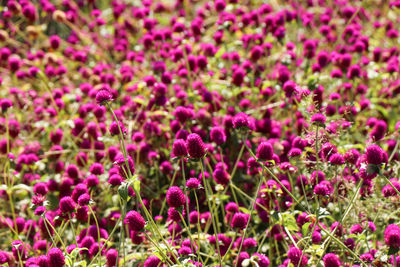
220	52
289	222
123	191
305	228
244	210
81	263
136	185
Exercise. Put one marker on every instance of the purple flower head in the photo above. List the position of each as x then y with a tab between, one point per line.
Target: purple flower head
295	257
173	215
54	41
221	176
318	118
67	205
122	163
331	260
55	257
336	159
239	220
175	197
179	148
374	154
290	88
96	168
112	256
264	151
114	129
152	261
195	146
262	260
103	95
5	104
241	121
392	235
322	189
294	152
134	220
351	156
217	135
232	207
193	183
183	114
83	199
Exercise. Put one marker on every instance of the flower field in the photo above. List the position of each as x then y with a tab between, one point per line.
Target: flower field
236	133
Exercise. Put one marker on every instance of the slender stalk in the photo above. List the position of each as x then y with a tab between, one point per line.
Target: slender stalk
278	181
98	230
212	215
139	198
238	159
192	242
73	230
394	150
198	218
230	246
171	184
187	212
108	238
391	184
248	221
159	249
341	244
349	207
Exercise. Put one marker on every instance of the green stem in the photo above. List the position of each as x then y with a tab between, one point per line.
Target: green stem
251	212
278	181
98	230
331	235
391	184
230	245
394	150
111	234
171	184
192	242
159	249
212	215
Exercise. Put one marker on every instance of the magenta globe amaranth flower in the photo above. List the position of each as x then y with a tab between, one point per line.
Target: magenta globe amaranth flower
195	146
239	220
318	119
265	151
297	257
241	121
67	205
374	154
392	235
175	197
331	260
55	257
179	148
193	183
221	176
103	96
152	261
134	220
112	257
217	135
336	159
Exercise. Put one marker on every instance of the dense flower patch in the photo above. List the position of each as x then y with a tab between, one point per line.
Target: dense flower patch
199	133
